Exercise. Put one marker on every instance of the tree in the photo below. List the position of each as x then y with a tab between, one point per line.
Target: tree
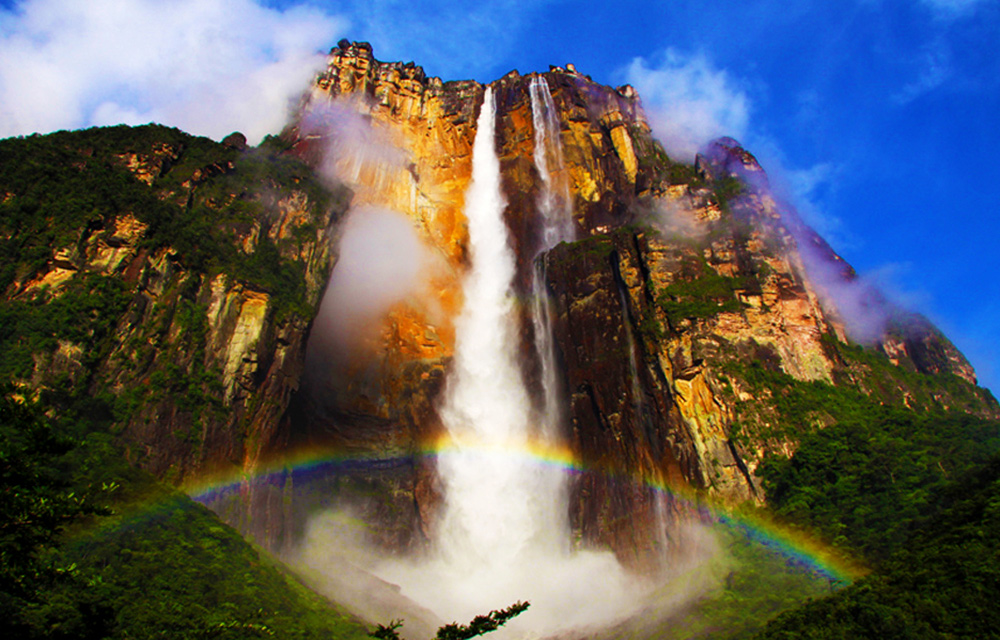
454	631
36	502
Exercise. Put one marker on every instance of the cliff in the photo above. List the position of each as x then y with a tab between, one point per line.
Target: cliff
700	324
164	284
166	287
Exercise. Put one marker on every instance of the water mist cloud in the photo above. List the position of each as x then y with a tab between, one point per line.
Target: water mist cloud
206	66
689	102
382	260
677	218
351	142
858	302
865	303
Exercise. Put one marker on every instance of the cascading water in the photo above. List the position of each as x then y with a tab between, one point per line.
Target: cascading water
557	226
487	523
554	197
503	534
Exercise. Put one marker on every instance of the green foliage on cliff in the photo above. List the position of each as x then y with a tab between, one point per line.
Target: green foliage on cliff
56	190
53	186
699	293
867	485
654	160
726	190
784	408
156	564
943	583
37	501
92	548
889	383
85	315
205	209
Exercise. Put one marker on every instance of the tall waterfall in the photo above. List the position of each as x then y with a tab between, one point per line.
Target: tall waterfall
554	198
492	512
503	534
556	217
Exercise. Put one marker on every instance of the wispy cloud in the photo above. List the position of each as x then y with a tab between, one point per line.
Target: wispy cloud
953	8
935	69
688	101
206	66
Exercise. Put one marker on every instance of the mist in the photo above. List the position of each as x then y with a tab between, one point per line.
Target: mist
858	302
677	219
354	150
861	301
688	102
382	261
337	558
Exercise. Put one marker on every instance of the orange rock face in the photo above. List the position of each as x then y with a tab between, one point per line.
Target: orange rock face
679	277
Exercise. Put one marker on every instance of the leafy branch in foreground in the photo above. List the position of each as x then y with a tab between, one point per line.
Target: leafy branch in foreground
454	631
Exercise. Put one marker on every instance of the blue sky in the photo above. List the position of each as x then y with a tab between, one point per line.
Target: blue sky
880	117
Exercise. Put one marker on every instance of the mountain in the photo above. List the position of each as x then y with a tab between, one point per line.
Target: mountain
677	326
699	324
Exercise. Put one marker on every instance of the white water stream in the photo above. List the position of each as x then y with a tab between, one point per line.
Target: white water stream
556	217
503	536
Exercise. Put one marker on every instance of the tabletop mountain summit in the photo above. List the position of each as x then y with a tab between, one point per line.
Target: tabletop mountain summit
417	276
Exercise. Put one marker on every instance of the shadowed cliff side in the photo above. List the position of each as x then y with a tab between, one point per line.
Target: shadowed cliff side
171	280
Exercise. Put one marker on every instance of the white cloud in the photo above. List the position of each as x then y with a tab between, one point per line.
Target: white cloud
953	8
206	66
689	102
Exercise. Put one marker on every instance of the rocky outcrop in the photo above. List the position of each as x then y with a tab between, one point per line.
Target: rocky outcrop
196	283
689	287
665	328
699	324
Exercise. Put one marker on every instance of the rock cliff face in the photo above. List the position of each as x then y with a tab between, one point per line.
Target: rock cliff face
694	318
166	287
179	299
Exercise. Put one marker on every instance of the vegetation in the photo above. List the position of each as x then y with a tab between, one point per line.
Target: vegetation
85	314
92	548
755	583
868	484
57	190
36	504
888	383
943	583
699	292
203	209
726	190
454	631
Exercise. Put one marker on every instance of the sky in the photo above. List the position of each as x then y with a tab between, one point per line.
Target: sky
880	119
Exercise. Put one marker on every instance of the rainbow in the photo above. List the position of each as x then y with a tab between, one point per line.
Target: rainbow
796	545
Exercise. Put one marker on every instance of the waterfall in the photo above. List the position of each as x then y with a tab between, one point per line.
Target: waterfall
554	198
502	536
556	217
488	521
